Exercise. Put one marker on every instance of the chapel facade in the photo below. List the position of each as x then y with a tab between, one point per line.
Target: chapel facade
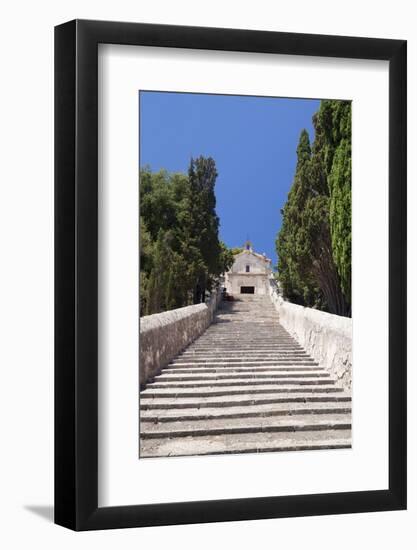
249	274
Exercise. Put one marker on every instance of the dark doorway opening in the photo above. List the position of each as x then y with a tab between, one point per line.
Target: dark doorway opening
247	290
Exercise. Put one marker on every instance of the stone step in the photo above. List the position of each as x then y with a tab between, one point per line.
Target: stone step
249	338
199	369
240	349
232	328
239	352
227	309
272	363
249	313
224	426
226	327
246	443
242	338
202	357
246	317
246	342
249	333
249	353
239	358
248	411
244	360
242	400
253	307
222	330
237	382
241	319
149	393
174	376
235	344
228	352
232	353
253	344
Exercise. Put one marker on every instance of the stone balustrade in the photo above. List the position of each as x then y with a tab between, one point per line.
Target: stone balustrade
326	337
164	335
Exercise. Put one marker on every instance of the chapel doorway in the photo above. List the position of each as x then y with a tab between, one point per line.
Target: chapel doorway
247	290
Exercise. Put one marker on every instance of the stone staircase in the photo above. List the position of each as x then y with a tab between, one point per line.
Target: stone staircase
244	386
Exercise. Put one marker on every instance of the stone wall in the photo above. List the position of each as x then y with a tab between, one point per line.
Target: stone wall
236	280
164	335
326	337
256	263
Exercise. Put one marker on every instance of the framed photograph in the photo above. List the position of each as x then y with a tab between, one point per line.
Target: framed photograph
230	285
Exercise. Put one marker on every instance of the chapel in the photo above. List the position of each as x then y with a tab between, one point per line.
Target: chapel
249	274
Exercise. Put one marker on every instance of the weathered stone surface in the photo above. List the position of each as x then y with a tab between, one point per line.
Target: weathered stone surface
327	338
263	424
247	411
164	335
259	442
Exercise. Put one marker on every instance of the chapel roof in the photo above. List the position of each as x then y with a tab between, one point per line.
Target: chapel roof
249	250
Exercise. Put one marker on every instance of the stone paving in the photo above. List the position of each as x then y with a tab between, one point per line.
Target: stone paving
245	385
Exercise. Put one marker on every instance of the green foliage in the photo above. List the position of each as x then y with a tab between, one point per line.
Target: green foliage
180	252
146	249
226	258
339	181
314	243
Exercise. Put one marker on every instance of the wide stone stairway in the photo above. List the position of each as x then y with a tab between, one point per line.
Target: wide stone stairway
244	386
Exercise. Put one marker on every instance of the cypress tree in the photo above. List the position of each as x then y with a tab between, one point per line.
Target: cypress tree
203	230
181	254
314	243
294	254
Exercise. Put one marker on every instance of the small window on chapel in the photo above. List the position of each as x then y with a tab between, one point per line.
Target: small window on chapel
247	269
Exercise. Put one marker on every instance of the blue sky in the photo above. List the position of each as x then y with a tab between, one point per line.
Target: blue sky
253	141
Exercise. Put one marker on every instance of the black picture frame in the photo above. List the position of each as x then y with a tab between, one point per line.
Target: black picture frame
76	272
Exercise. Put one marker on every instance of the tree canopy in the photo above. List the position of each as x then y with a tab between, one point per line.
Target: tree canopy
181	255
314	243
